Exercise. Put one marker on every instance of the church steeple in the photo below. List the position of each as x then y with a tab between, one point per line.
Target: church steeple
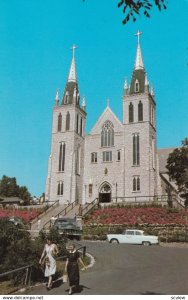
72	72
139	61
71	94
139	79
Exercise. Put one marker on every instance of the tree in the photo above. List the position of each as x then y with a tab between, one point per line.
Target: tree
177	165
10	188
24	194
133	8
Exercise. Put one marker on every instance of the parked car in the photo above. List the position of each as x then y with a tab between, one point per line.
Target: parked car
133	236
68	227
16	221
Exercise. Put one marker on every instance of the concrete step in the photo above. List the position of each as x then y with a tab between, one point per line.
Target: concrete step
45	218
69	213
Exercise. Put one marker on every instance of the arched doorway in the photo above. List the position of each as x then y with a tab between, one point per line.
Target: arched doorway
105	193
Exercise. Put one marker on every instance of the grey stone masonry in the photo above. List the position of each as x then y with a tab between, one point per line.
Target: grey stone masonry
117	159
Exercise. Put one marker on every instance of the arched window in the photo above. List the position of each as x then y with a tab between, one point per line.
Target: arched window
77	121
81	126
136	183
62	157
59	122
136	149
107	134
78	160
66	97
153	152
78	99
131	113
140	111
67	121
136	86
60	188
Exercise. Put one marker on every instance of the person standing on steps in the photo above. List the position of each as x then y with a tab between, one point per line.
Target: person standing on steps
52	221
72	268
48	259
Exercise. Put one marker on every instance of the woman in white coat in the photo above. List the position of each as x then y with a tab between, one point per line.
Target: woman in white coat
48	254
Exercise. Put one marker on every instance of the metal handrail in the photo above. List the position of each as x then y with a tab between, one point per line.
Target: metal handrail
175	197
45	212
27	275
135	199
63	211
89	206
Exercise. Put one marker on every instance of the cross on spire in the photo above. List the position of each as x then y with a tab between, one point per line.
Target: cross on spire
108	102
73	50
72	72
138	36
139	61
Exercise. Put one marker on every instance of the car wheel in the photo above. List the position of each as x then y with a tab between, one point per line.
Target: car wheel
146	243
114	241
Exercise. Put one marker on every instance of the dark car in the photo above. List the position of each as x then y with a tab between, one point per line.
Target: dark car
68	227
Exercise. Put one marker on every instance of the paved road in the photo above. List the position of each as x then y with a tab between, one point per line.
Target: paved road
131	270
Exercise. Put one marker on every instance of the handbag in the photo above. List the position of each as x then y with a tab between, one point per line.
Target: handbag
65	278
43	262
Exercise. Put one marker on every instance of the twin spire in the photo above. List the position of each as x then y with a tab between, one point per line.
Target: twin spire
72	84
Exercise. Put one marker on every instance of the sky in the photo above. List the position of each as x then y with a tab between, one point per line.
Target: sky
35	55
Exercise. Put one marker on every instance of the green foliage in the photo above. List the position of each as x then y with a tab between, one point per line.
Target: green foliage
17	249
10	236
9	188
177	165
134	8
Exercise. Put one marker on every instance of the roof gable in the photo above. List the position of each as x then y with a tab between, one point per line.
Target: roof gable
107	115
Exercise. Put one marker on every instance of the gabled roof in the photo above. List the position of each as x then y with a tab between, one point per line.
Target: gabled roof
10	200
163	156
107	114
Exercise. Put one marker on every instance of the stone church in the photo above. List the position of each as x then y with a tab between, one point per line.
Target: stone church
118	159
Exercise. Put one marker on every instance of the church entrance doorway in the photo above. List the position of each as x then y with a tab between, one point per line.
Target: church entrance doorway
105	193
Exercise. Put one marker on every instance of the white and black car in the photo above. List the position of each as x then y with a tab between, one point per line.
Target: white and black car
133	236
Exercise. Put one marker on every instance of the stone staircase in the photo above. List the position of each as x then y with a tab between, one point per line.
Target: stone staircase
44	221
177	200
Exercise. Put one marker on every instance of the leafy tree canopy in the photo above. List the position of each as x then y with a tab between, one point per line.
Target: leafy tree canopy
177	165
10	188
133	8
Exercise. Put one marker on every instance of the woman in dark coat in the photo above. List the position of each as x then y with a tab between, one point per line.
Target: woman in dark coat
72	267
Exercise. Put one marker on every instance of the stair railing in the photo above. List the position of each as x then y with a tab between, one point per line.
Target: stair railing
89	206
175	197
25	280
48	207
63	212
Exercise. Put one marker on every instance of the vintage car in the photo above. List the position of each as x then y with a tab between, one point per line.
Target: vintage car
133	236
67	227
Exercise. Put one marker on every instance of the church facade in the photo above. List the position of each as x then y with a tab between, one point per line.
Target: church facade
117	160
